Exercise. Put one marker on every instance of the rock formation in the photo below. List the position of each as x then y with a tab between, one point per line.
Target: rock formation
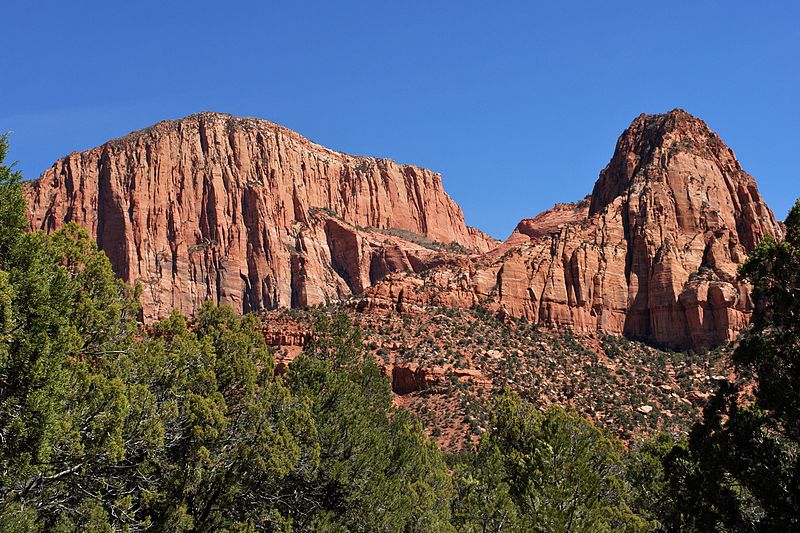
249	213
651	254
246	212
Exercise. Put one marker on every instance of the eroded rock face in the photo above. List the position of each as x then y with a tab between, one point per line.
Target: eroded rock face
550	221
652	254
246	212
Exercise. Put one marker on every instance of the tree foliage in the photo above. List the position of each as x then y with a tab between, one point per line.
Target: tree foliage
741	468
545	471
108	425
12	202
378	471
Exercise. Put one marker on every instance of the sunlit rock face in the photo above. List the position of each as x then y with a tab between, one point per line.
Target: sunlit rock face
246	212
651	254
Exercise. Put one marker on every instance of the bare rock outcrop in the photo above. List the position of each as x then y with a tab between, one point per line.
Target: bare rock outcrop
246	212
547	222
651	254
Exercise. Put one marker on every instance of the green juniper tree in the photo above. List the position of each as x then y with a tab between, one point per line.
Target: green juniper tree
12	203
650	489
741	469
53	300
378	471
560	472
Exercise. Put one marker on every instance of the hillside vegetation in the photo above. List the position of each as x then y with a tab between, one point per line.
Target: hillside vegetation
183	426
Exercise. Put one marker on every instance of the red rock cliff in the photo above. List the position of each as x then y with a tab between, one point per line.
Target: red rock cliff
246	212
653	254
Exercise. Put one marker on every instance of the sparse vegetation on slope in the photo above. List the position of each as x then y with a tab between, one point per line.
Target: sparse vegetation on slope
468	356
189	424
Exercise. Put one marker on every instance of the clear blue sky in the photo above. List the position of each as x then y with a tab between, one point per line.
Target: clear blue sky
517	104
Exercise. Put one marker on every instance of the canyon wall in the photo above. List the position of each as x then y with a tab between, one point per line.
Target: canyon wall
246	212
652	253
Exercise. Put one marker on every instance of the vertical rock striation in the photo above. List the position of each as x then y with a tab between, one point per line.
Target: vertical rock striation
246	212
652	253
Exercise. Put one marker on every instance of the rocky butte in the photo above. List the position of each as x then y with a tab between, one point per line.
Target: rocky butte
249	213
246	212
652	253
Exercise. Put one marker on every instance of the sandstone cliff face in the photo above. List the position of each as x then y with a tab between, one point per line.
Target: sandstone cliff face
530	229
245	212
652	254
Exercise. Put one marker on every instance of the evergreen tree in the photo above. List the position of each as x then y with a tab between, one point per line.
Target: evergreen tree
44	293
482	501
652	498
561	472
378	471
12	203
741	471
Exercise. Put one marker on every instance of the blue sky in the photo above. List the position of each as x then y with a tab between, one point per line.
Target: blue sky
517	104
